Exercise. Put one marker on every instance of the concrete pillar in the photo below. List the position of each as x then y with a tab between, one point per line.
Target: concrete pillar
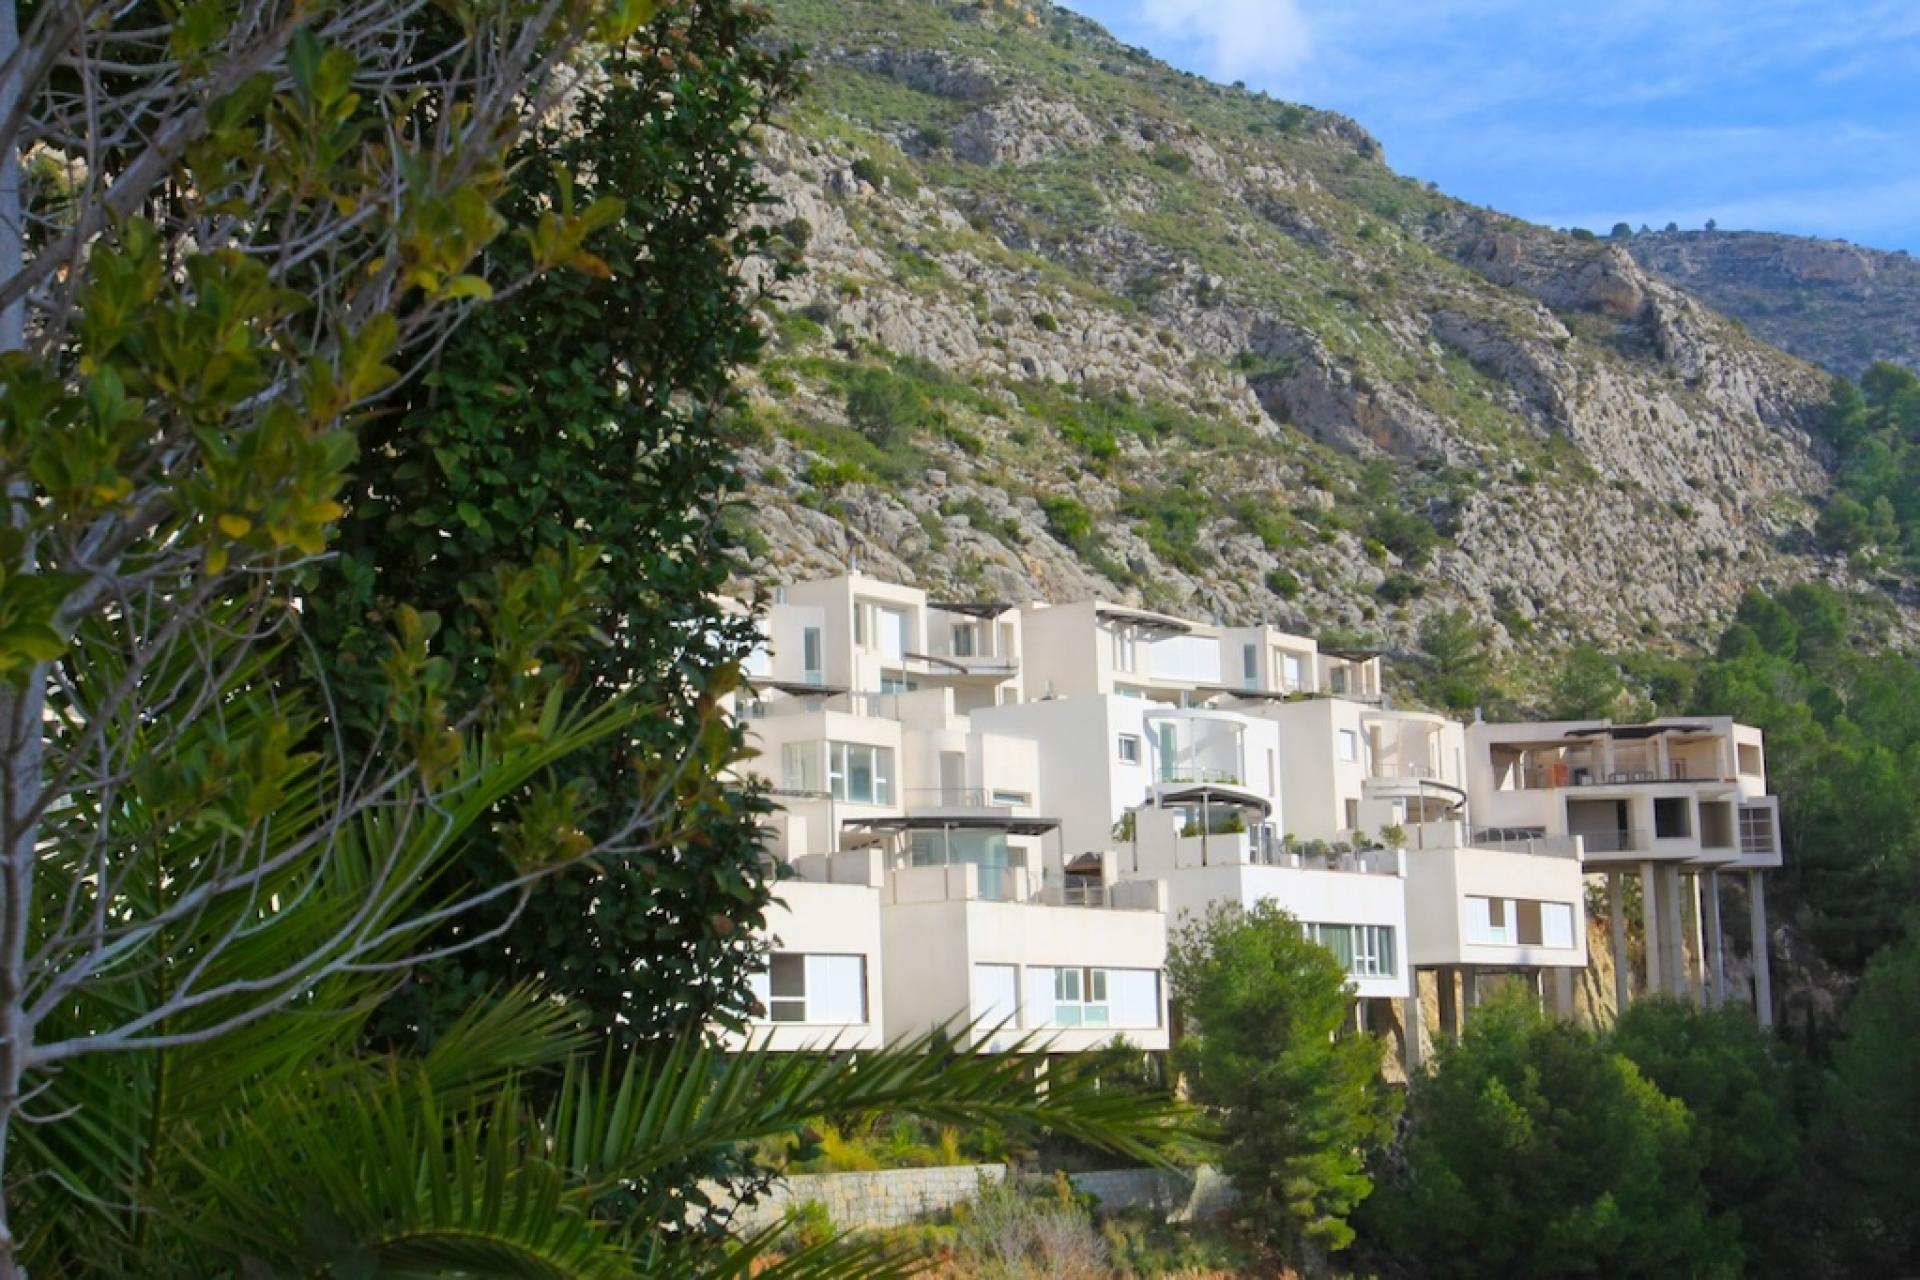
1449	1002
1715	943
1762	980
1696	931
1563	992
1673	963
1650	926
1469	990
1617	926
1410	1020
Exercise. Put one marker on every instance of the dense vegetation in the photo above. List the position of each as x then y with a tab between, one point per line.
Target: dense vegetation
1875	430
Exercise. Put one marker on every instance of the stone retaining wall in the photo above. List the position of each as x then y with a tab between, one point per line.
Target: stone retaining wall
884	1198
895	1197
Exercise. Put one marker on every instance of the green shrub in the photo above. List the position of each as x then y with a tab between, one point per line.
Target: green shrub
1068	520
1044	320
1283	584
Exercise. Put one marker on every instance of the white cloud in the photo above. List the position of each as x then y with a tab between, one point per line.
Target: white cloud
1233	39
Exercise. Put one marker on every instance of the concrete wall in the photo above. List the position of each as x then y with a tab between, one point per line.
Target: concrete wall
1439	882
826	919
932	947
1324	897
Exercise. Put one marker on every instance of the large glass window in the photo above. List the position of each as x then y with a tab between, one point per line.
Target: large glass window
1363	950
1349	745
860	773
952	846
1083	996
963	640
795	987
1129	748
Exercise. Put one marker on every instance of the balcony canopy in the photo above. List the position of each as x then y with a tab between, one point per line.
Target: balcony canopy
1350	655
798	688
1635	732
1142	620
1167	797
971	608
957	822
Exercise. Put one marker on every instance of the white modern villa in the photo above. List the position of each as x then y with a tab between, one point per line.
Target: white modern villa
991	815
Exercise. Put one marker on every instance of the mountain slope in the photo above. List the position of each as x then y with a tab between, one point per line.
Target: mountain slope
1075	322
1836	304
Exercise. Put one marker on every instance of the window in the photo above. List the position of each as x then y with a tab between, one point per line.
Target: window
860	773
1337	679
859	624
1353	814
1749	759
1125	650
1250	664
962	640
1525	922
1756	828
1074	996
1130	748
800	766
1295	673
1080	997
810	659
1363	950
812	988
1349	745
894	684
1011	797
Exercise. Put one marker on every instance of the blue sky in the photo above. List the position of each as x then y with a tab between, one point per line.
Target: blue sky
1784	115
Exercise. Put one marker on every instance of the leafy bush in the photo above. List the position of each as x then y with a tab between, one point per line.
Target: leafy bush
1068	520
1283	584
1534	1150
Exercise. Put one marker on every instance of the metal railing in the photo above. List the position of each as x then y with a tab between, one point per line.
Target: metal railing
1558	776
1525	840
1188	776
1084	895
1613	841
948	797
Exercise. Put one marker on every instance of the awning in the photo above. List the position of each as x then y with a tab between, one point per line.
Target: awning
959	822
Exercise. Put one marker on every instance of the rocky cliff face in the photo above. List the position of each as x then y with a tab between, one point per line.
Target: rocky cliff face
1836	304
1076	323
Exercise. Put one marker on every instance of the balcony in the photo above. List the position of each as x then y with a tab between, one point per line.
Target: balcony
1617	841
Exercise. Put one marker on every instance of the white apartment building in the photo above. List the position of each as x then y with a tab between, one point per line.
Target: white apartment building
991	814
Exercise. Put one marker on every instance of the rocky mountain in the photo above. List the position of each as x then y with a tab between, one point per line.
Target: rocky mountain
1836	304
1074	322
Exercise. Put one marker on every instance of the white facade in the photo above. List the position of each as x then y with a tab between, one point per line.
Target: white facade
991	814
